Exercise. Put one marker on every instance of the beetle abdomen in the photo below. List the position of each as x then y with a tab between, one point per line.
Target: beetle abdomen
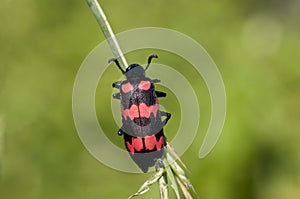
145	150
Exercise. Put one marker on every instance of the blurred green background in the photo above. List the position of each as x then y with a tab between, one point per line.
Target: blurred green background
256	45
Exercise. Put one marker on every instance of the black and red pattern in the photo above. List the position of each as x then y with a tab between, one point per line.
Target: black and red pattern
142	124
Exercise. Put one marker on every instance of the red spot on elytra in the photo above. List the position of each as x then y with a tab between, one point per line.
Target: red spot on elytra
136	143
151	142
145	85
132	112
142	110
126	88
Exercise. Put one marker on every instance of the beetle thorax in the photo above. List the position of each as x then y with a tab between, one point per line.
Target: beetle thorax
134	71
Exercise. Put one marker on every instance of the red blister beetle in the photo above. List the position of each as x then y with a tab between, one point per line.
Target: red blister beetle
142	124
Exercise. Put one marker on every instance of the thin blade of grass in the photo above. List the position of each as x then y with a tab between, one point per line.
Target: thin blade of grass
184	189
146	186
163	186
173	181
180	174
175	155
107	31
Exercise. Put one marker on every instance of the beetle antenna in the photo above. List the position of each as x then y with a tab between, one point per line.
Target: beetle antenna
117	63
149	60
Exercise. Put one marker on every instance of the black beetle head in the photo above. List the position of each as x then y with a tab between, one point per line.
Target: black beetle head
134	70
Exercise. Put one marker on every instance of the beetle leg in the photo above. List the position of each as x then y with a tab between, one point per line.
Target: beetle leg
120	132
160	94
167	115
117	84
155	81
116	95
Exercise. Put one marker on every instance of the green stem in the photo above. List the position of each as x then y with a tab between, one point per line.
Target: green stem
107	31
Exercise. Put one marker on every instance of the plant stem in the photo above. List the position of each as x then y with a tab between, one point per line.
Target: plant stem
107	31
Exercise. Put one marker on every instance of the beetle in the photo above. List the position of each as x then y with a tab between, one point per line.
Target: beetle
142	124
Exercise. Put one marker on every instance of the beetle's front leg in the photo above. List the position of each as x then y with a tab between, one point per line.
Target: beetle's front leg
167	115
160	94
117	84
155	81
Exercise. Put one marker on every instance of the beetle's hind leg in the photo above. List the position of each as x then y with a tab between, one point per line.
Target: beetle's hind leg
120	132
167	115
